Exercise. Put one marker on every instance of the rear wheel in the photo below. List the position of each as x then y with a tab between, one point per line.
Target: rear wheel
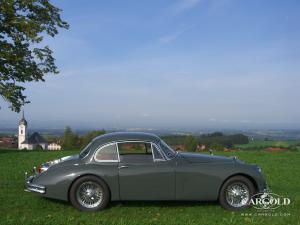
236	193
89	193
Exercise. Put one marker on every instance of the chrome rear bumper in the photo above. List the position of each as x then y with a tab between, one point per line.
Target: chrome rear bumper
31	187
36	188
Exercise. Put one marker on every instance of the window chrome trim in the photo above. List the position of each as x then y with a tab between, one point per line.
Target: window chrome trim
159	152
89	152
166	156
147	142
103	146
121	142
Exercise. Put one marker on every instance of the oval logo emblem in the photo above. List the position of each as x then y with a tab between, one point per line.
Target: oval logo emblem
268	201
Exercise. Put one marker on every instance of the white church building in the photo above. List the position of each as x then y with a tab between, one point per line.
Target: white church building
33	141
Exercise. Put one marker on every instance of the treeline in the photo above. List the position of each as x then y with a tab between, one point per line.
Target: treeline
218	140
215	141
71	140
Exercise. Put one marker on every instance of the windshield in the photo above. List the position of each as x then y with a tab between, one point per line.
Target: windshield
167	150
84	152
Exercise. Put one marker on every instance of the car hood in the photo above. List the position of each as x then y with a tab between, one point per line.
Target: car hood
203	158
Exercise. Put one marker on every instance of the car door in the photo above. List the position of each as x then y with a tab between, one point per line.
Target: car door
145	174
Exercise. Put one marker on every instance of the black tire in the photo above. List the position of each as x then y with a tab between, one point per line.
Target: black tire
236	180
93	180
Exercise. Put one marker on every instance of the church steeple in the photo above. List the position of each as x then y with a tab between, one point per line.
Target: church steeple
23	121
22	137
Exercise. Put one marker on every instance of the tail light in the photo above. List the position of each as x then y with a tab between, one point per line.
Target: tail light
42	168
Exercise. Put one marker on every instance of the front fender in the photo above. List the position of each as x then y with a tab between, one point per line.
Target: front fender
254	174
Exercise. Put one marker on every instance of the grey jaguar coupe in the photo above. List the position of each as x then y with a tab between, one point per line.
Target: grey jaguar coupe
142	167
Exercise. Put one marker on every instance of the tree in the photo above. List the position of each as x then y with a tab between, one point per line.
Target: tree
190	143
90	136
22	56
70	140
216	134
38	147
217	146
239	139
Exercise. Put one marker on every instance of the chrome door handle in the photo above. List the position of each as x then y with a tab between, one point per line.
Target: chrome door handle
122	167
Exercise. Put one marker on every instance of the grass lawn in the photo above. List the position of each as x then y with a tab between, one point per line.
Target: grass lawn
260	144
17	207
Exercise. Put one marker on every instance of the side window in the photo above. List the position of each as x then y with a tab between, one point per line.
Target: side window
132	152
157	155
133	148
107	153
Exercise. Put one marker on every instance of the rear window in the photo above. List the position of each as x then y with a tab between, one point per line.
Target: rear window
108	153
128	148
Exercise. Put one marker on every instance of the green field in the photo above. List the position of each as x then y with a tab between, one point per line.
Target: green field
260	144
17	207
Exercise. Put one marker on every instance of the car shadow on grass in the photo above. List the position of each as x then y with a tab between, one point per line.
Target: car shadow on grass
56	201
162	204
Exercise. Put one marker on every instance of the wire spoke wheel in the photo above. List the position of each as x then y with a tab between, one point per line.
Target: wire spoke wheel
237	195
89	194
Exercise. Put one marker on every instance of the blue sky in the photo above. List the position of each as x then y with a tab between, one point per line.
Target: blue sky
171	64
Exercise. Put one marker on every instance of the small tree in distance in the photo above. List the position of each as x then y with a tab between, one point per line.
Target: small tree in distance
70	140
90	136
190	143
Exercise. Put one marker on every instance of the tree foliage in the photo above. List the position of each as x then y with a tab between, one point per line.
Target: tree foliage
23	23
38	147
217	146
70	140
190	143
219	141
90	136
216	140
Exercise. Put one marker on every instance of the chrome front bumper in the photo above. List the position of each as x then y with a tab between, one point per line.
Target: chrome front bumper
31	187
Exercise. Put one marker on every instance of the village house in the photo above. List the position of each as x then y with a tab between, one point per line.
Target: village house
54	146
35	140
8	142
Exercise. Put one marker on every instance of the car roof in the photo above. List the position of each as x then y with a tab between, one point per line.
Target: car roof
126	136
119	136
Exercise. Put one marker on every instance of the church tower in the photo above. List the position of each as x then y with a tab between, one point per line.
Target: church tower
22	131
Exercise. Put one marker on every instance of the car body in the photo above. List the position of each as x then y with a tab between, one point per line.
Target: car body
125	174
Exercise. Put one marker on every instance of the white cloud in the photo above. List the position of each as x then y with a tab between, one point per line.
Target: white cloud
145	115
169	38
165	39
244	121
183	5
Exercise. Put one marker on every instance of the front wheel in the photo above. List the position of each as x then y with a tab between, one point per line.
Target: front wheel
89	193
236	193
